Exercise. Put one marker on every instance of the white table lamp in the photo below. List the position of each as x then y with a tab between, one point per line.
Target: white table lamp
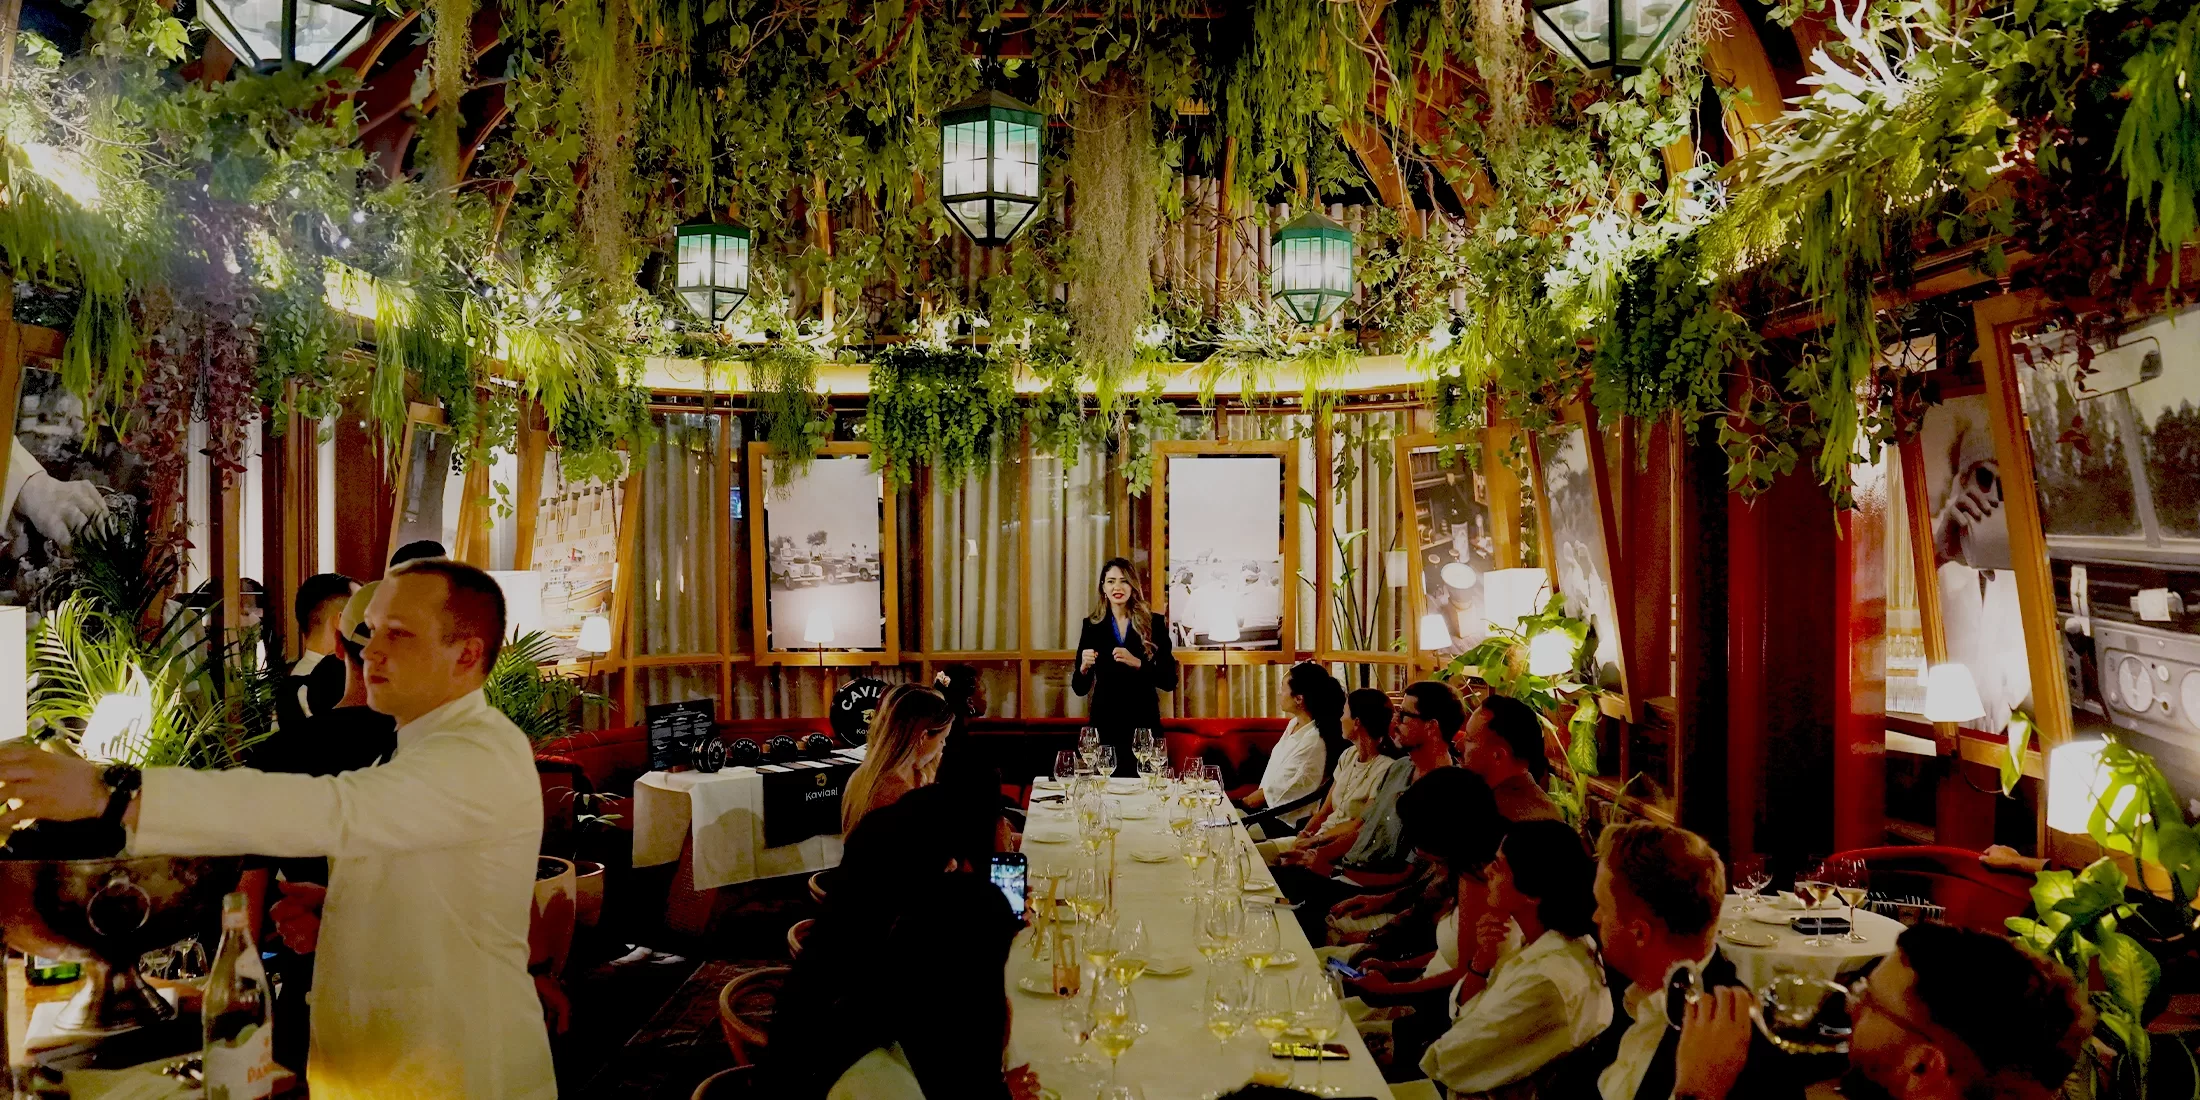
1550	653
118	717
818	631
2076	780
1434	634
595	634
1510	595
1951	695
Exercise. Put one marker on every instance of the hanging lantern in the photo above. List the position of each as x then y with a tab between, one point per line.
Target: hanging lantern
273	34
989	166
1611	35
713	269
1310	267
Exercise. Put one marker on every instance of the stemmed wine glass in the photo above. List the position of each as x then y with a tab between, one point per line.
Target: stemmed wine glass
1851	879
1106	765
1221	927
1065	767
1803	1015
1129	963
1812	889
1077	1023
1750	879
1115	1023
1273	1012
1229	1002
1320	1013
1261	939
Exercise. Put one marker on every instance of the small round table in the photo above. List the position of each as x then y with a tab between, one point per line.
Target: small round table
1758	965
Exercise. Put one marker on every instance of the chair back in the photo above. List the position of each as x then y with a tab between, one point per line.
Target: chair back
745	1008
797	933
1972	894
817	887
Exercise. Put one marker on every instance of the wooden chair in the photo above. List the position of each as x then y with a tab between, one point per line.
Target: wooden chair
727	1084
797	933
817	887
745	1010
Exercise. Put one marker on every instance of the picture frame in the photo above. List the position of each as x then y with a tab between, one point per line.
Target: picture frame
577	536
791	582
1452	522
1195	548
1577	530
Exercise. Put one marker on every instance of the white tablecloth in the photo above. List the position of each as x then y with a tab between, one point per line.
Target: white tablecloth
1176	1059
723	813
1758	965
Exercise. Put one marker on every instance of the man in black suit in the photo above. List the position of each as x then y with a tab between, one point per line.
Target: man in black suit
1658	891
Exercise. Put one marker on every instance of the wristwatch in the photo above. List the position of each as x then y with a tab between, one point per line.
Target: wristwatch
122	785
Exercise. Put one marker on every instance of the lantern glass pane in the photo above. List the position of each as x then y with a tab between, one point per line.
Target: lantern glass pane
1577	29
322	30
972	215
1644	26
1015	158
694	261
699	300
1011	216
962	158
252	29
733	262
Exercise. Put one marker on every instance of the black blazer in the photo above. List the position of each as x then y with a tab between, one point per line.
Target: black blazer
1123	698
1769	1074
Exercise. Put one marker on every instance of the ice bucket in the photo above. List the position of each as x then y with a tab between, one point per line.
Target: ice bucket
105	914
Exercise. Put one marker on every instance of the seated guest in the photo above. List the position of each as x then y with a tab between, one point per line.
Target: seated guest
1452	822
931	1018
1354	780
963	764
1377	859
1503	743
1518	1012
901	754
1658	891
1312	741
1951	1015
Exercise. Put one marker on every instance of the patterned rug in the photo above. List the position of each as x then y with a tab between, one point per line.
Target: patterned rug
679	1046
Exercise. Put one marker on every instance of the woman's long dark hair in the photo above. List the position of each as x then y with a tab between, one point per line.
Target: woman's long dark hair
1371	708
1323	697
1549	863
1141	616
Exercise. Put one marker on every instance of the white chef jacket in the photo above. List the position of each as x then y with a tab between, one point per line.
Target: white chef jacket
1541	1004
1294	769
421	989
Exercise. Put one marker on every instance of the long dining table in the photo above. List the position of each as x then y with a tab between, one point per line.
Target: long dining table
1176	1058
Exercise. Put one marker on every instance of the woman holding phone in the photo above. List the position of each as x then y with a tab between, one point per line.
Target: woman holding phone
1123	662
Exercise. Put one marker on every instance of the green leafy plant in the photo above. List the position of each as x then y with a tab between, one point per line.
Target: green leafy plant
1501	661
794	417
949	409
544	704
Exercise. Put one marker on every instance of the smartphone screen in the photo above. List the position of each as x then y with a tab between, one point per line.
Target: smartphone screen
1010	869
1347	969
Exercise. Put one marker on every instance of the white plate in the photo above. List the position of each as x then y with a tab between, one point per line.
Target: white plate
1169	968
1747	938
1047	836
1153	855
1046	784
1258	887
1038	987
1778	915
1282	959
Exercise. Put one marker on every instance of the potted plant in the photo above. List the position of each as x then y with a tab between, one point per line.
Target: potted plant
1512	663
591	823
550	927
525	687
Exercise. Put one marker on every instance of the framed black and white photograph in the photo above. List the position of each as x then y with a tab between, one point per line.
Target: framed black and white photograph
1452	539
58	482
1577	521
1967	523
1225	561
822	558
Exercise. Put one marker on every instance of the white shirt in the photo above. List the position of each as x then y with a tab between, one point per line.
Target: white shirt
307	661
883	1074
1539	1005
421	989
1294	769
1639	1046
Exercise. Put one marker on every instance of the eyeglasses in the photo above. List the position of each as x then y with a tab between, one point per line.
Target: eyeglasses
1860	997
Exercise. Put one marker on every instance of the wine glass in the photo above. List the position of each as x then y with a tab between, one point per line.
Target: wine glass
1106	765
1273	1013
1088	739
1065	767
1812	889
1852	880
1221	927
1804	1015
1261	939
1229	1001
1077	1023
1099	941
1749	878
1129	963
1115	1024
1088	890
1320	1013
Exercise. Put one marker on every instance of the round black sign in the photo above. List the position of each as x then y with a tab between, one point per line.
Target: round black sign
853	706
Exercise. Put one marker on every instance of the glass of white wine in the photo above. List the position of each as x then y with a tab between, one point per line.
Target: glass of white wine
1319	1013
1272	1011
1261	939
1129	963
1115	1024
1813	892
1229	1003
1088	890
1221	923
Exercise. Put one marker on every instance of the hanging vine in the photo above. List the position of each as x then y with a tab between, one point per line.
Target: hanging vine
947	409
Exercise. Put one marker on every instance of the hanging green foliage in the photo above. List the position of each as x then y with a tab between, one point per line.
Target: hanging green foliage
1669	343
792	415
947	409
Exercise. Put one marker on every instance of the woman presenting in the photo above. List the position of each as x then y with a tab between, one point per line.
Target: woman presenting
1123	663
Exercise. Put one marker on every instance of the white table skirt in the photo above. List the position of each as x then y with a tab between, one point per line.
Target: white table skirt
723	814
1758	965
1176	1059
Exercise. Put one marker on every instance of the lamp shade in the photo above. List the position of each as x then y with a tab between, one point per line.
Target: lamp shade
1550	653
1951	695
270	34
1459	575
713	269
1224	628
1434	634
818	628
2076	780
595	634
989	166
1611	35
1310	267
1510	595
117	718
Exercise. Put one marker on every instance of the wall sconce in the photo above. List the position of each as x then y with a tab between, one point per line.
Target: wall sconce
2076	780
1951	694
1434	634
596	634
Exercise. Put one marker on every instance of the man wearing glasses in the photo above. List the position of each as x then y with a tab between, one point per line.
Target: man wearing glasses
1951	1015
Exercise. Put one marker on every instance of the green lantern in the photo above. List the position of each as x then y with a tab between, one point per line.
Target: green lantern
713	269
989	166
1310	267
271	34
1622	36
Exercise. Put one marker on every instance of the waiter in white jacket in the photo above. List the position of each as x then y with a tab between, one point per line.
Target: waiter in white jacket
421	988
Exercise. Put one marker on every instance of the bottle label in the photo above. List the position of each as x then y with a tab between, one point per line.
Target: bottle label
243	1069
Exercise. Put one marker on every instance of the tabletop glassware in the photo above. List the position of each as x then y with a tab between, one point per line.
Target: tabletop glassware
1115	1023
1098	940
1260	941
1812	889
1851	879
1749	877
1089	889
1229	1001
1318	1010
1106	764
1076	1021
1221	926
1065	767
1273	1013
1802	1015
1129	963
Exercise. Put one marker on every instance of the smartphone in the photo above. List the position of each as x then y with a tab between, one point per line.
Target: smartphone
1304	1052
1347	969
1011	872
